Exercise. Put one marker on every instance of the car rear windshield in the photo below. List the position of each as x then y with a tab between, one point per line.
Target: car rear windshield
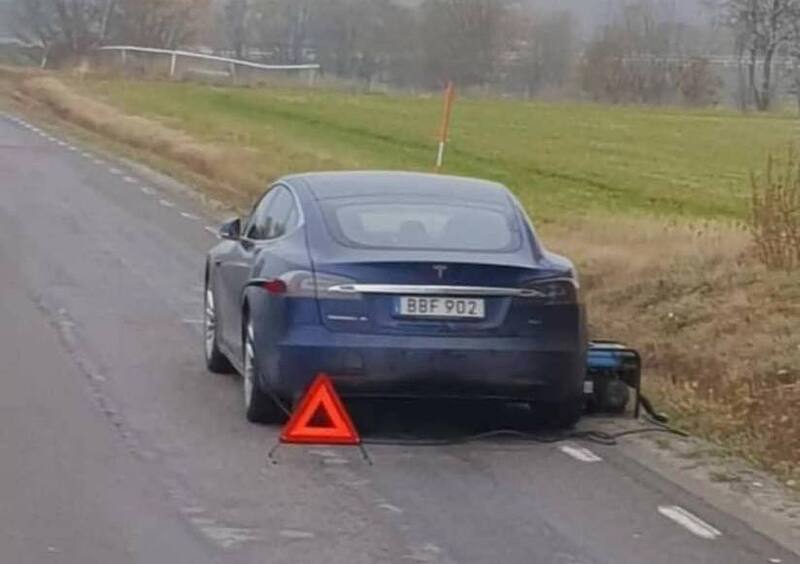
423	225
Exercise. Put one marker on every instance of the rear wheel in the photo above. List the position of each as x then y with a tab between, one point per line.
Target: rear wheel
260	407
561	415
215	360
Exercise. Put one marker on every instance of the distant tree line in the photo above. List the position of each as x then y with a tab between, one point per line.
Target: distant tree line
641	55
69	28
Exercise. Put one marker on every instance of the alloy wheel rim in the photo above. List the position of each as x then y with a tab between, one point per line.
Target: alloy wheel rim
210	319
249	370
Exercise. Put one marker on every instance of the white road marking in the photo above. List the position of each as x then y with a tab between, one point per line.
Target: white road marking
211	230
391	508
129	179
296	535
193	321
189	215
98	161
86	155
579	453
71	148
166	203
775	560
146	190
61	143
226	537
690	522
116	171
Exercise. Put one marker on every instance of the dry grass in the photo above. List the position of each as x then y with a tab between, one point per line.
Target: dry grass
719	332
775	220
226	165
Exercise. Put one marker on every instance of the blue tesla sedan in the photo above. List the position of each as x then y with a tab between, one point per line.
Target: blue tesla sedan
396	285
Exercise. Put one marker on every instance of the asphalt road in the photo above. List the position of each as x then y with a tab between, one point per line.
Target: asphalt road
116	446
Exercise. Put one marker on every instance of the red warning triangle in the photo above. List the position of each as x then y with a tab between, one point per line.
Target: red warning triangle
320	418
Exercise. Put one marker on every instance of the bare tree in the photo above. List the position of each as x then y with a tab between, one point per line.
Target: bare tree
160	23
281	28
547	51
463	39
362	39
646	57
63	27
762	28
236	15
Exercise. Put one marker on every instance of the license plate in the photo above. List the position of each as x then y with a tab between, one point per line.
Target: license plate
443	308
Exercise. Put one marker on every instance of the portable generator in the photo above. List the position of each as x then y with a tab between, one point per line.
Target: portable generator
613	371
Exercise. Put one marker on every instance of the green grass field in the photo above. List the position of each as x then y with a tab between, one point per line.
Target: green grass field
560	158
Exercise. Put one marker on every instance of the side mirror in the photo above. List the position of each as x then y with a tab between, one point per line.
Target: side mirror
231	229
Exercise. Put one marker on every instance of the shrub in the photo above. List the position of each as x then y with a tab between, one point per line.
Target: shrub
775	212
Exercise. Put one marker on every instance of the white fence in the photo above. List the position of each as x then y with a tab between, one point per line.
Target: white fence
230	65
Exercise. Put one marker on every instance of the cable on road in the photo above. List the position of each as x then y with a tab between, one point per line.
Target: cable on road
596	437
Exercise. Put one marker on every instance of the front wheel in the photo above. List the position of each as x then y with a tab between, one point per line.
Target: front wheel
215	360
260	407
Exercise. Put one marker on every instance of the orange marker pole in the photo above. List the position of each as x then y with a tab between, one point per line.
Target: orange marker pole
444	131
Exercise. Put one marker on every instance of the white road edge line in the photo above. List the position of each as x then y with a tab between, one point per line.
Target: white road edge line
689	521
189	215
115	171
129	179
166	203
211	230
146	190
579	453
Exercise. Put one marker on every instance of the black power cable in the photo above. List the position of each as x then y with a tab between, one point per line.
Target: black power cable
597	437
658	420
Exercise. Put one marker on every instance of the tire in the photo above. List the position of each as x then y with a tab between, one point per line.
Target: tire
562	415
215	361
259	406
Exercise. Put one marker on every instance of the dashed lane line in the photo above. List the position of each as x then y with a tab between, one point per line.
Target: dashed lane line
115	171
581	454
689	521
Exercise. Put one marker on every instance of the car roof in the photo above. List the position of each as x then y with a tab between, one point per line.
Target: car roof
330	185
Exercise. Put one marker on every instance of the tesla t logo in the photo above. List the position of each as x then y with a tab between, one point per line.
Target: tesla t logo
440	270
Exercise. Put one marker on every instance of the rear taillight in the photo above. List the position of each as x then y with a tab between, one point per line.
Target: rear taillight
305	284
276	286
556	291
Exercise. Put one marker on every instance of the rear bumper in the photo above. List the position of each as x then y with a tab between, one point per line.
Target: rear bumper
429	367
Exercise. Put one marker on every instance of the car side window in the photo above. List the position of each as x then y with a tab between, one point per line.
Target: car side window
259	224
274	216
279	212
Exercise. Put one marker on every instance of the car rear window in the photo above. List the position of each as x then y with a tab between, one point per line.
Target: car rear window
423	225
